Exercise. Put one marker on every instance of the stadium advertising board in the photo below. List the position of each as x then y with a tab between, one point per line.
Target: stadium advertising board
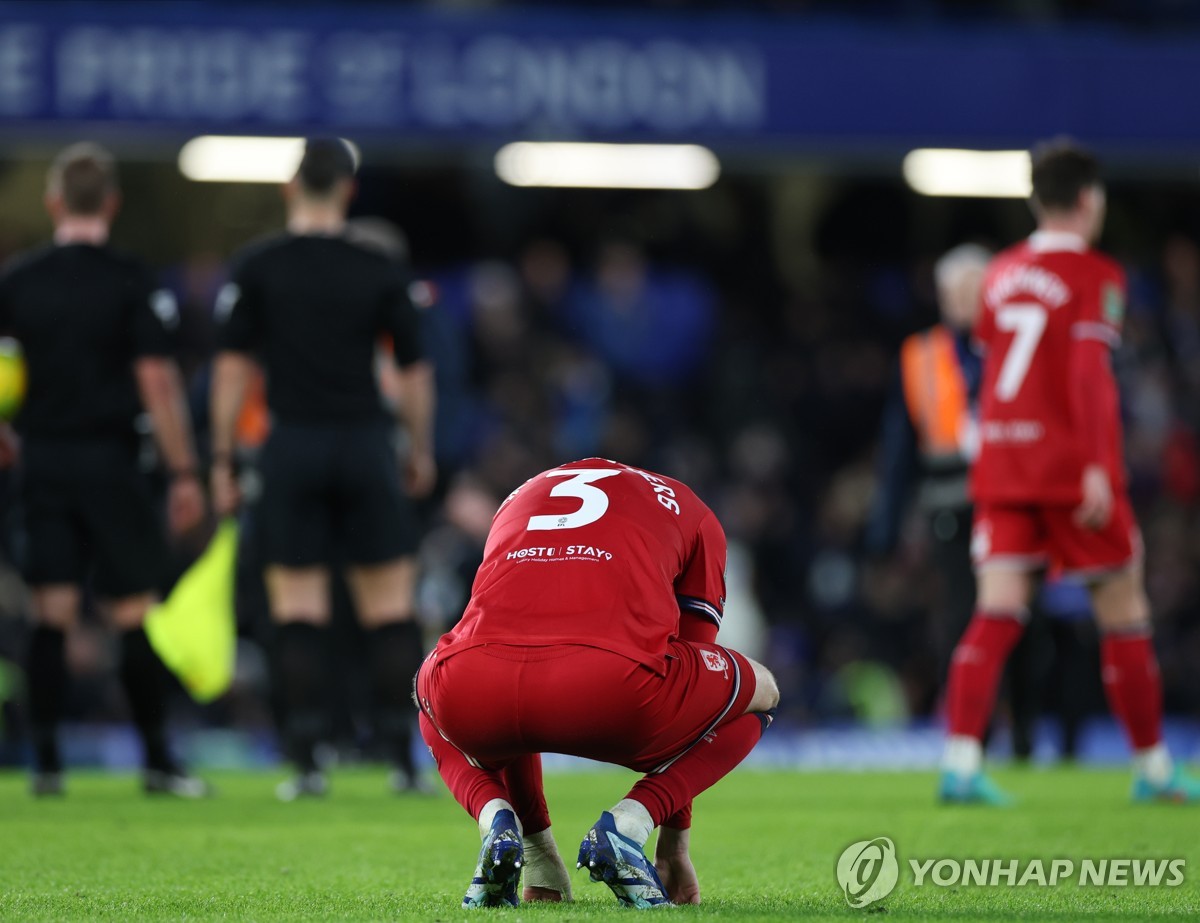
410	73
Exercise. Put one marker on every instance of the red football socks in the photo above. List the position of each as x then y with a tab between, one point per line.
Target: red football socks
1131	683
667	793
976	668
523	779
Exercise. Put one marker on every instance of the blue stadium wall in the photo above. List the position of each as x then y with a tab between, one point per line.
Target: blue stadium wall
734	81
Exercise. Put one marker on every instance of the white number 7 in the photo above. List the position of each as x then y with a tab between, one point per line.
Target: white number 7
1027	323
594	505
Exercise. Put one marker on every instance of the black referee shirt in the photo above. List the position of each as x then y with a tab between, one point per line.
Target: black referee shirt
314	308
83	314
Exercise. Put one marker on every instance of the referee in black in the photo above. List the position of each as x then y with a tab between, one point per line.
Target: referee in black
96	335
313	308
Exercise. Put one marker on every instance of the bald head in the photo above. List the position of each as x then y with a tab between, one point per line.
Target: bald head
959	278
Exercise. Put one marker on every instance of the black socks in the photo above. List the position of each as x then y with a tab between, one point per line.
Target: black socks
47	672
143	677
395	652
301	668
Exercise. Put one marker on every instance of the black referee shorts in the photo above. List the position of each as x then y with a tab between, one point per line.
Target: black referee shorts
86	505
332	495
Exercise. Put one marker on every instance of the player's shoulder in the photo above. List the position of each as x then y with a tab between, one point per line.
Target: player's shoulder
1014	252
370	262
667	488
127	264
602	463
47	261
261	250
644	474
340	247
1088	270
26	262
1106	265
1071	253
1020	251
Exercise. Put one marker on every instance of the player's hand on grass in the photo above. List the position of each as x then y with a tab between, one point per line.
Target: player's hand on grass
420	473
185	504
537	895
1097	506
674	866
226	495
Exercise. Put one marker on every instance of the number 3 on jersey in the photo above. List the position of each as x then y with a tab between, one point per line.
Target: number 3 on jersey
1027	323
578	484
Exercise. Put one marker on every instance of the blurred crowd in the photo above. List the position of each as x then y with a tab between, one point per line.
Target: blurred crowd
766	398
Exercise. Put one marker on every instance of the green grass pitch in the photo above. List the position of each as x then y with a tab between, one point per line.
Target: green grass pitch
765	845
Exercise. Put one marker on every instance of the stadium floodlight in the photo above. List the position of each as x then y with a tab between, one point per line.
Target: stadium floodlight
978	174
607	166
232	159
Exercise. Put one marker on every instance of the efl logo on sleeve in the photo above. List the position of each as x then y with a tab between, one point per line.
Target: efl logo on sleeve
714	661
1113	304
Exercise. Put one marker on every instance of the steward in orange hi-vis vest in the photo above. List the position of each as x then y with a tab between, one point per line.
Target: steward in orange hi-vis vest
936	396
928	437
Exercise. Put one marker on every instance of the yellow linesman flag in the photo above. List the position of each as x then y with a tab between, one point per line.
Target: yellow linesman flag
193	630
12	378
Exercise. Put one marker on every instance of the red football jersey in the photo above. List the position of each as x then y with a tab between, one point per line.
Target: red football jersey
595	553
1042	300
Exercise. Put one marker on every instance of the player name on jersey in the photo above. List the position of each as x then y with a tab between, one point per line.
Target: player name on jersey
1044	286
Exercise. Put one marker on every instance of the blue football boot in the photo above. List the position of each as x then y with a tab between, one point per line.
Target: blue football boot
499	870
1180	788
620	863
975	788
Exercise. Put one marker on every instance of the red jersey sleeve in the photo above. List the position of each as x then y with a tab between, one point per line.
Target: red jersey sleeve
1095	331
1101	309
700	589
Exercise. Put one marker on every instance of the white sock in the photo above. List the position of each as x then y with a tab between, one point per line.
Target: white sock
963	755
633	820
1154	764
489	812
544	867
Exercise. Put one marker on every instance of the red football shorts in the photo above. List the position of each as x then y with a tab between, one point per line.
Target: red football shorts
1033	537
500	701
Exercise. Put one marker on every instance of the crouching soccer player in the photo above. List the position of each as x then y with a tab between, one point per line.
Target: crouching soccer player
591	631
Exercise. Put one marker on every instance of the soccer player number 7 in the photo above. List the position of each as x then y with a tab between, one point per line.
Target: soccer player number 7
1027	323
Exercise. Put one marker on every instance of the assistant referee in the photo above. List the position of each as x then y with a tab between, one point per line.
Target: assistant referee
96	334
313	307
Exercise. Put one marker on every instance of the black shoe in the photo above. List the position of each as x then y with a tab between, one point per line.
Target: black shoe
47	785
174	782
